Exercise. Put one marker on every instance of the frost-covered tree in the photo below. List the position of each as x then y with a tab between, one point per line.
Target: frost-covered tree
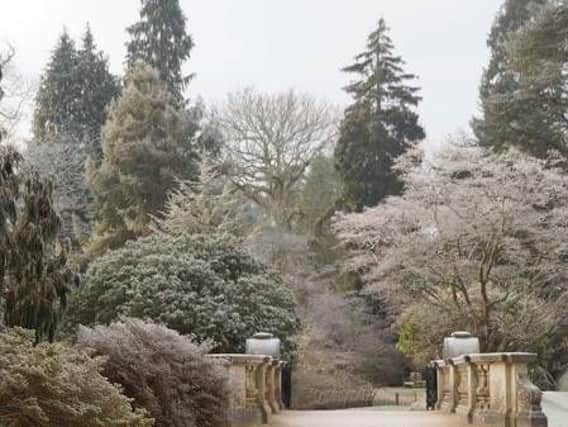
98	87
475	242
146	150
209	205
204	286
64	164
379	126
74	92
270	141
34	277
160	39
58	97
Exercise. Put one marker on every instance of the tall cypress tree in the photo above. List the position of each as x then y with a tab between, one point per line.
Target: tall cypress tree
97	88
379	126
160	39
497	79
57	101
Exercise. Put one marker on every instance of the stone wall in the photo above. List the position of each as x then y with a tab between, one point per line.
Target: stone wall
255	384
491	389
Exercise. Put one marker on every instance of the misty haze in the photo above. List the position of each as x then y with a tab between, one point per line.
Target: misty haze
317	213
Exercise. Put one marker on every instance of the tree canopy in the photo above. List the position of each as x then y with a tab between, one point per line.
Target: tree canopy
206	287
270	141
146	149
75	89
379	126
160	39
478	238
34	276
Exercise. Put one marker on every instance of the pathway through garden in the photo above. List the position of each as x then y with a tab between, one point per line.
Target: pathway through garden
362	418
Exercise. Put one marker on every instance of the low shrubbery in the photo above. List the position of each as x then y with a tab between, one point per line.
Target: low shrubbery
164	372
206	287
56	385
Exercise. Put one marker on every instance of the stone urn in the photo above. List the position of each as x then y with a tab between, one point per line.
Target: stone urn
265	344
460	343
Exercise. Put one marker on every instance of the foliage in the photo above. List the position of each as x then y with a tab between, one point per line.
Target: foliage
207	206
98	88
323	379
533	115
164	372
34	276
146	149
271	141
64	164
497	80
74	92
320	191
206	287
160	39
379	126
475	242
55	385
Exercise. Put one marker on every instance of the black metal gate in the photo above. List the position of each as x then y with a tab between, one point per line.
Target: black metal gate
431	377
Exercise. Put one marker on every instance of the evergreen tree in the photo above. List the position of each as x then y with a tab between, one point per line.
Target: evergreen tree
145	150
497	80
34	278
75	91
160	39
98	87
58	98
379	126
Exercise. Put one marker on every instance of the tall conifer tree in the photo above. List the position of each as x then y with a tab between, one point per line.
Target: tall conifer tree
57	102
160	39
98	87
145	152
379	126
498	80
74	93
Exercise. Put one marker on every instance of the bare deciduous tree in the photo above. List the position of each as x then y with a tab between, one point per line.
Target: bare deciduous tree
270	143
15	94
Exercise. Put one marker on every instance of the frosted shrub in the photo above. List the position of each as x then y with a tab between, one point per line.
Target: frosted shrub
164	372
55	385
206	287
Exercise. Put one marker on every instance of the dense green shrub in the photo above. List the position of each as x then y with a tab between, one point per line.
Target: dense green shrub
206	287
164	372
55	385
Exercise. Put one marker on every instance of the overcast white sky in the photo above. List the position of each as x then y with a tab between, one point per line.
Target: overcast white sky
278	44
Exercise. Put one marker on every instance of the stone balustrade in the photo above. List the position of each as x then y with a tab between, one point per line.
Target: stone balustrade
490	389
255	388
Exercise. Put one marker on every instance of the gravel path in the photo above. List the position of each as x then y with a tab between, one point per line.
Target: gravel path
361	418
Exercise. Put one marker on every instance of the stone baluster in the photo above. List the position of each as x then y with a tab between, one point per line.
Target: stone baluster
278	383
491	389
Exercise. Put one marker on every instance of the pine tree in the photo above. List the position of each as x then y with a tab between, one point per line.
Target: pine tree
379	126
98	87
160	39
57	102
497	80
145	151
